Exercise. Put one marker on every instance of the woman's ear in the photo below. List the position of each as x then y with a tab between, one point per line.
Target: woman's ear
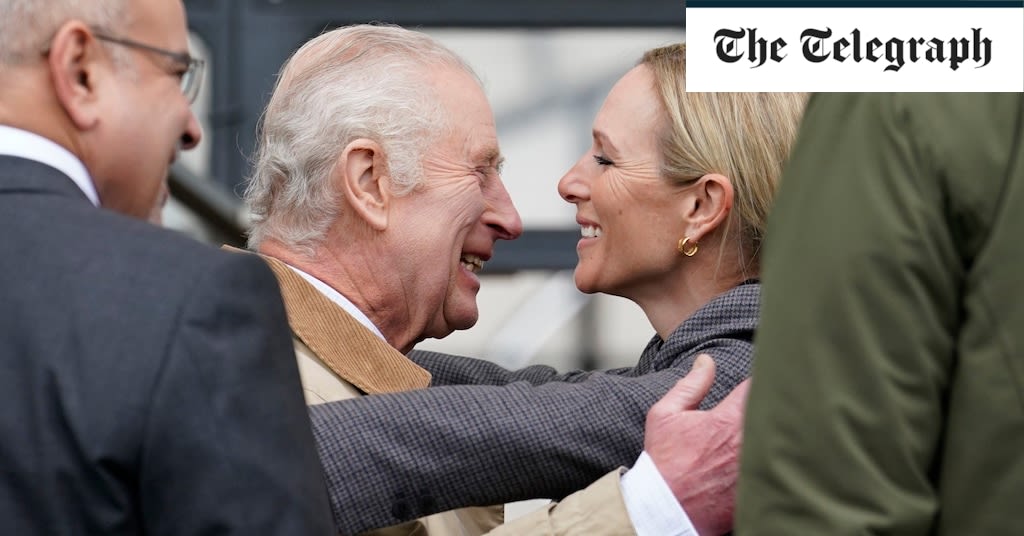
708	205
361	175
76	66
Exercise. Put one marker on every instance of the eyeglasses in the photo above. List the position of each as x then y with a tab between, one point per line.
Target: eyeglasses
191	79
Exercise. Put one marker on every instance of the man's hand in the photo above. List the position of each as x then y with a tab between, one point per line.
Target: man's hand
697	452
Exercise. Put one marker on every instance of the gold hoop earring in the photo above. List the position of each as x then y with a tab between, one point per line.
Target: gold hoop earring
682	247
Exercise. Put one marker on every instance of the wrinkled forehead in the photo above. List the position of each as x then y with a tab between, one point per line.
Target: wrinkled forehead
469	113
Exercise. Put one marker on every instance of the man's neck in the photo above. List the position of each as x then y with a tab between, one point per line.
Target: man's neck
358	282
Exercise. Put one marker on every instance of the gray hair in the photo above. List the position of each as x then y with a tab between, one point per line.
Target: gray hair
363	81
27	26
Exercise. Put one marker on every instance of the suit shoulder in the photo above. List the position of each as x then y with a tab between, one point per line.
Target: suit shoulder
167	251
131	260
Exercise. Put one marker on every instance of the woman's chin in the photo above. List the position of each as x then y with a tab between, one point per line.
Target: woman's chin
584	283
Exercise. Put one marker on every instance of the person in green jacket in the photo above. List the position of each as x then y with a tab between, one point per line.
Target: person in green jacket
888	391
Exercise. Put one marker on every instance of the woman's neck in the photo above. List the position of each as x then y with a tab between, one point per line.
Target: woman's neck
670	303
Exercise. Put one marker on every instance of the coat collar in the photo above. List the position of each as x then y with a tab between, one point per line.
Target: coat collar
21	175
732	315
353	352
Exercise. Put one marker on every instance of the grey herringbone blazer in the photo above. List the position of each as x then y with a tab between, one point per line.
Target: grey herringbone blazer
486	435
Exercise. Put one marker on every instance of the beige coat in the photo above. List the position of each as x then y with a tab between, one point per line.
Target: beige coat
364	365
598	510
332	371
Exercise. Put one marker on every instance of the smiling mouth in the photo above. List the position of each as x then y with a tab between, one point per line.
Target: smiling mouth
591	231
471	262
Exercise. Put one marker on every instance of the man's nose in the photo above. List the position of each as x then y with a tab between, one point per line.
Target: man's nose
503	216
192	134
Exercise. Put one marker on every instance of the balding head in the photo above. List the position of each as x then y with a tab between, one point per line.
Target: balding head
26	26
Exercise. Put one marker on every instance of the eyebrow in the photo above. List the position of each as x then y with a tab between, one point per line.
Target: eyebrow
604	140
491	156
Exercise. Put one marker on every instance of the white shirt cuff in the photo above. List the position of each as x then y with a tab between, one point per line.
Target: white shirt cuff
653	509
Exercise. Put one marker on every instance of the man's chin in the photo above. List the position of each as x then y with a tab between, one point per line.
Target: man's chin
462	320
466	323
451	323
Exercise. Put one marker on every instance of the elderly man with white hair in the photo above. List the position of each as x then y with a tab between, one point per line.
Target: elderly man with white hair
377	197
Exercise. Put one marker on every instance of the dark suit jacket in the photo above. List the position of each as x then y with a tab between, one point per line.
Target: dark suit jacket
147	381
513	435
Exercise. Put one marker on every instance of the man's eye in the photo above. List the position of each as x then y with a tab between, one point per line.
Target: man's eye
602	161
487	172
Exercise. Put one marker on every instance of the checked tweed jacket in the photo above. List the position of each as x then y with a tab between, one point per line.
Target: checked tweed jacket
486	435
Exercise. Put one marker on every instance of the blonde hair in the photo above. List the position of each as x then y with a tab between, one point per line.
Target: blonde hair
743	136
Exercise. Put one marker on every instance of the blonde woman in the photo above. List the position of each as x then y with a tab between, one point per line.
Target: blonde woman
671	201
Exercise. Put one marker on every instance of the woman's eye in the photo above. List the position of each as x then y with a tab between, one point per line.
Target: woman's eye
602	161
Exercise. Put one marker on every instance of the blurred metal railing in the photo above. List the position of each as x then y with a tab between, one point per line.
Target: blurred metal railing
219	209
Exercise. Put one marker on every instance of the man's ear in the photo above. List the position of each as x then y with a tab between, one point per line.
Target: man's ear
76	64
361	175
708	205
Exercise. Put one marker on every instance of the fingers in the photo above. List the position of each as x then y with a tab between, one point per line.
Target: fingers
691	389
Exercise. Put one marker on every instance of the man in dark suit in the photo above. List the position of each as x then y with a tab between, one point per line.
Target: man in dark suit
147	380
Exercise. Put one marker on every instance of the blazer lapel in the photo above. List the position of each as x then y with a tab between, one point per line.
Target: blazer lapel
353	352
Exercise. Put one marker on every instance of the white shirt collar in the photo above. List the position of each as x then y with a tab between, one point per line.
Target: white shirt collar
31	146
340	300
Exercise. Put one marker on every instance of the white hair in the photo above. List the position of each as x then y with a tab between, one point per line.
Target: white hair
363	81
27	26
